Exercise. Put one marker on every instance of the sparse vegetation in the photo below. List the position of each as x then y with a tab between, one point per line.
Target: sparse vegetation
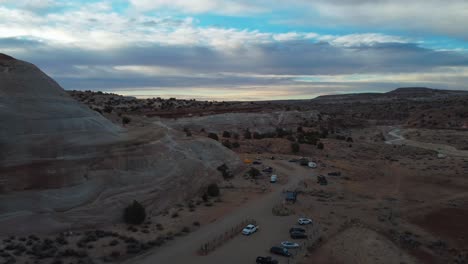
320	145
295	147
134	214
126	120
226	134
213	136
213	190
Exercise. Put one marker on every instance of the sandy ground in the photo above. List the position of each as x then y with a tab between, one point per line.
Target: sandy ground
396	137
241	249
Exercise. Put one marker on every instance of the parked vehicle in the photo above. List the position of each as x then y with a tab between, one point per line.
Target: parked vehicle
298	235
291	196
280	251
273	178
304	221
293	160
312	165
335	173
249	229
256	162
288	244
268	169
297	229
304	162
266	260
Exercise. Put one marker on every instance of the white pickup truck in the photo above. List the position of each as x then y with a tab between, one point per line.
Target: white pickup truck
249	229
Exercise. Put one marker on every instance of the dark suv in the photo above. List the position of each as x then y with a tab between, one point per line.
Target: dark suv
266	260
297	229
298	235
280	251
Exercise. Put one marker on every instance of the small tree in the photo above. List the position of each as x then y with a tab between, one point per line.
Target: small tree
257	135
213	190
320	145
226	134
134	214
295	147
254	172
247	134
213	136
126	120
227	144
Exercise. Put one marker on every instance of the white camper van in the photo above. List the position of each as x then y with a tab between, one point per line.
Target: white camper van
273	178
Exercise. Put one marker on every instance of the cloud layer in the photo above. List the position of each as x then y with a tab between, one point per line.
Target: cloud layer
154	48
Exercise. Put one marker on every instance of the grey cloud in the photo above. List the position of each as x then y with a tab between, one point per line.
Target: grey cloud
209	66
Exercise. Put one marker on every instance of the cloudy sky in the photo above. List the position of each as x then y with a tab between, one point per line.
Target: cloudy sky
241	49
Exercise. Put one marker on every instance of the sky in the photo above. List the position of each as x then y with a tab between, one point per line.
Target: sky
240	49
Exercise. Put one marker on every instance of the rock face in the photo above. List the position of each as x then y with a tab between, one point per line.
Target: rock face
63	165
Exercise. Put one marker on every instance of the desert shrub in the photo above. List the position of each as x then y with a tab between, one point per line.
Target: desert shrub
320	145
257	135
126	120
247	134
254	172
213	136
108	109
349	139
175	215
134	214
324	133
235	136
196	223
235	145
224	169
213	190
226	134
281	210
227	144
340	137
295	147
280	132
205	197
186	229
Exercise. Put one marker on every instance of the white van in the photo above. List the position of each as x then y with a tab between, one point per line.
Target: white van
312	165
273	178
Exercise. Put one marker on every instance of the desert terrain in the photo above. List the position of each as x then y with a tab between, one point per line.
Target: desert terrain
396	166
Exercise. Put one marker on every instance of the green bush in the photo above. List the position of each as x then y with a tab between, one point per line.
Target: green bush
295	147
254	172
134	214
227	144
226	134
213	136
247	134
213	190
320	145
126	120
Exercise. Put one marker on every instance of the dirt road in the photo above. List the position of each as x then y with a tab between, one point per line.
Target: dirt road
241	249
395	137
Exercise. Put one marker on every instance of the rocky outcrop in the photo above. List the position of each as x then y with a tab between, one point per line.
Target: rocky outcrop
62	165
